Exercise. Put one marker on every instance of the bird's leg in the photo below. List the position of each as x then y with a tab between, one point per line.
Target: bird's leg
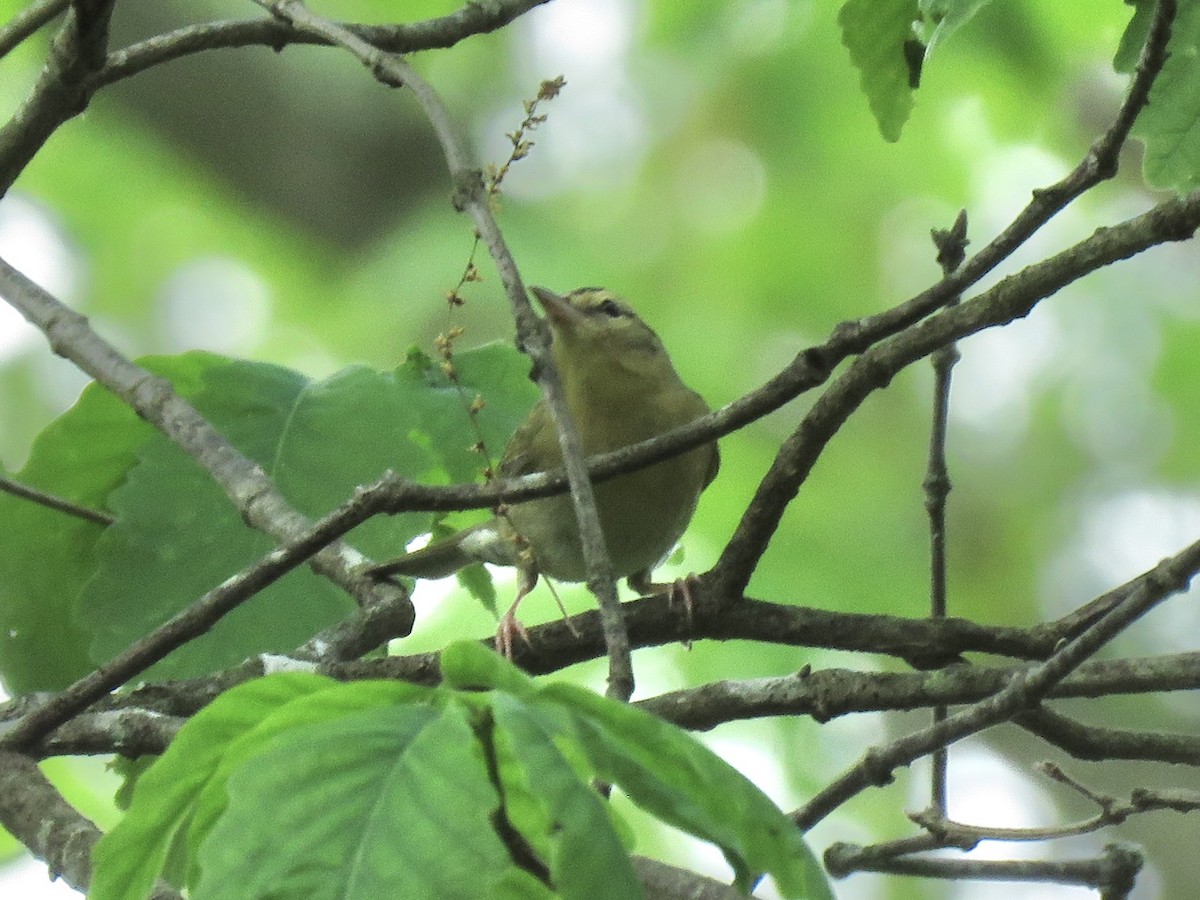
562	609
510	626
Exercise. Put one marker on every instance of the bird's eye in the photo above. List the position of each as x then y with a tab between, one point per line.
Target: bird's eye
610	309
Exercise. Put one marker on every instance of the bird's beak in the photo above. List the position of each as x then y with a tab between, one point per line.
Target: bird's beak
558	310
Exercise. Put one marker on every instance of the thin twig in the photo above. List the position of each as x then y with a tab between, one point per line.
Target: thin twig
1099	743
1111	811
25	492
28	22
951	245
445	342
1113	871
532	334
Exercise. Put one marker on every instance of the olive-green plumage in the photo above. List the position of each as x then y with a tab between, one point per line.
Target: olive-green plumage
621	389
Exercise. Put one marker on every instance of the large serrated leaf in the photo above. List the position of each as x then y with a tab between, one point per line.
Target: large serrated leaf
676	778
586	858
386	803
311	709
46	556
129	857
177	535
66	584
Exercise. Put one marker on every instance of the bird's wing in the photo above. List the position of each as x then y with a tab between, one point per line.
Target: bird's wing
714	465
714	459
520	456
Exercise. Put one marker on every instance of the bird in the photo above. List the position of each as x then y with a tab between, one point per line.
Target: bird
621	388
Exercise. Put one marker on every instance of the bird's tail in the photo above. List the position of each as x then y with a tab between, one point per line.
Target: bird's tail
436	560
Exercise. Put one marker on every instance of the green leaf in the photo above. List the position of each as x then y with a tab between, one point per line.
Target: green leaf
476	580
468	665
587	859
1170	123
1134	37
129	771
385	789
385	803
941	18
164	553
670	774
129	857
877	32
334	702
177	534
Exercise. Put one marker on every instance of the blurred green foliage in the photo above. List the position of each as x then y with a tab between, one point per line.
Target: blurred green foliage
717	164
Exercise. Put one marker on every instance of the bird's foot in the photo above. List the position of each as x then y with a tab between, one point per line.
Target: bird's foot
681	587
509	629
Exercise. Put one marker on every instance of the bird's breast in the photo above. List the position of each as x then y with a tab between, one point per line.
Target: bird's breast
643	513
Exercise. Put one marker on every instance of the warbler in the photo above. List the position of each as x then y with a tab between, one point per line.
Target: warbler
621	389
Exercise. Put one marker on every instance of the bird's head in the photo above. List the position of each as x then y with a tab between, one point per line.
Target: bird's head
594	327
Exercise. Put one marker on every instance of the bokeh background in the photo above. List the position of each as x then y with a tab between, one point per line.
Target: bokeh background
715	163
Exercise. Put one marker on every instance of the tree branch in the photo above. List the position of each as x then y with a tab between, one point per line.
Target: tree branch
77	68
438	33
33	495
876	766
1113	871
28	22
1095	742
951	245
823	695
831	693
190	623
1012	298
36	814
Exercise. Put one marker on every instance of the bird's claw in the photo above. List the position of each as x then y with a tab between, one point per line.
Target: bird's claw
509	628
681	587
